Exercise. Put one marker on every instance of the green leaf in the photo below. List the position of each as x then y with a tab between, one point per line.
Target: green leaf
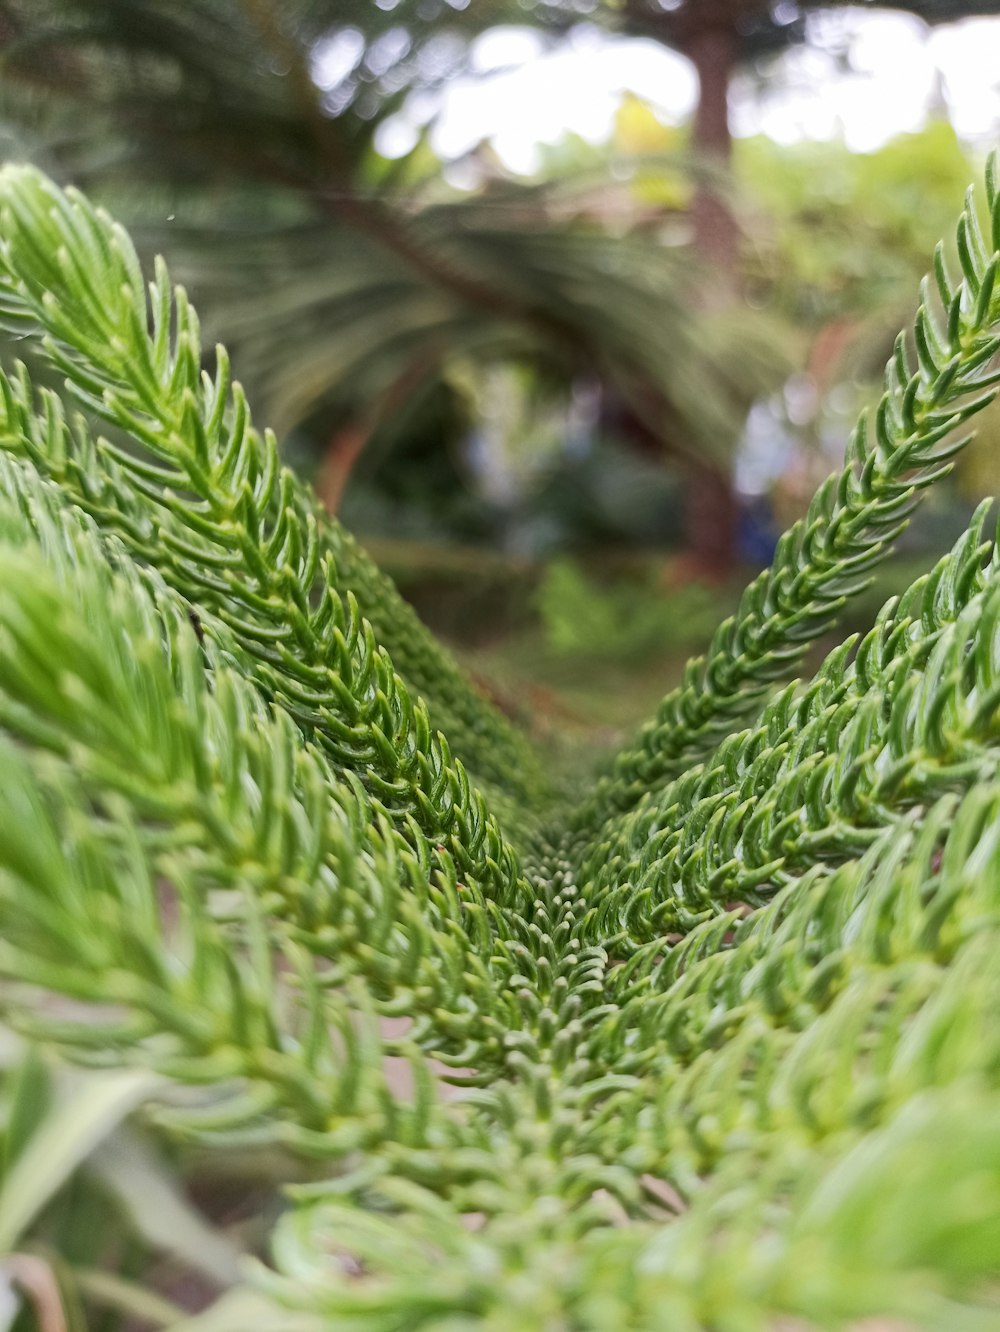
80	1119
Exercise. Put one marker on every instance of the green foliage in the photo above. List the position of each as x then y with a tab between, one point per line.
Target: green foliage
848	230
933	383
628	620
715	1049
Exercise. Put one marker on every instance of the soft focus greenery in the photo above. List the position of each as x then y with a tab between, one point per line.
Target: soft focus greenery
627	620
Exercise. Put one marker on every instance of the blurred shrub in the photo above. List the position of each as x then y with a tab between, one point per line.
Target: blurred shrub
625	620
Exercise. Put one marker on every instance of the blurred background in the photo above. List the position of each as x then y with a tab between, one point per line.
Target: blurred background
565	306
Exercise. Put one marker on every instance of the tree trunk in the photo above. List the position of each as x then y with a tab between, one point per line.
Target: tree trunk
710	506
710	520
713	54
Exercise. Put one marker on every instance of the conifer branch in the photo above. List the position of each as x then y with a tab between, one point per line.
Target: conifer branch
827	557
230	527
824	770
102	670
726	1056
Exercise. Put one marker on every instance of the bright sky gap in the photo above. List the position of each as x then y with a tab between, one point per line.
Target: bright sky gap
521	96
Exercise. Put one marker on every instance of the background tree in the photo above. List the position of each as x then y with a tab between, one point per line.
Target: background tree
348	285
345	284
718	37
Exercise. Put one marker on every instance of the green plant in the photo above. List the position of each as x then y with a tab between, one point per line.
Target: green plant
626	620
724	1036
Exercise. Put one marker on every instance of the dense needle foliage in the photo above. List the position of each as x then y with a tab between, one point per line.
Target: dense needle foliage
715	1048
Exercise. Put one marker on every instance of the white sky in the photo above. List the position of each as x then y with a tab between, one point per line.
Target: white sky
525	96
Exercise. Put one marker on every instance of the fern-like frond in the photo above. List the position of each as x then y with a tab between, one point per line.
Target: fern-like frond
793	1106
911	715
727	1055
827	557
232	529
103	673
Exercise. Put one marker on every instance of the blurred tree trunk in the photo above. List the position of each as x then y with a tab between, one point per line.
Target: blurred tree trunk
710	508
713	53
710	520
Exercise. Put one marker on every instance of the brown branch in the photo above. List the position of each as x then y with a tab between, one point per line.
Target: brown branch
348	441
35	1279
